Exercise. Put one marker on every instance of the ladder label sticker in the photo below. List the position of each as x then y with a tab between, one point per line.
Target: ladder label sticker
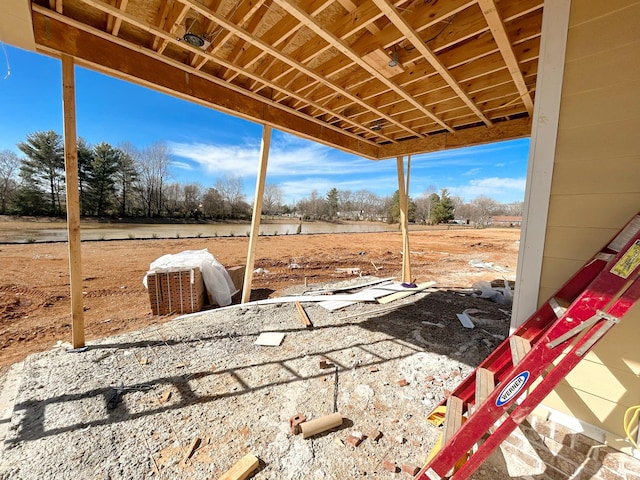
628	262
511	390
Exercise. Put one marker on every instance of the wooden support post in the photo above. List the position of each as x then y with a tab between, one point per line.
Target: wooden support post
404	213
257	211
73	204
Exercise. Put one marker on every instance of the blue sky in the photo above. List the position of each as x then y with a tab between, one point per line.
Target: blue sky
207	145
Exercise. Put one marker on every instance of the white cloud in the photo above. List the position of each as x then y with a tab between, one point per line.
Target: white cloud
500	189
472	172
286	158
182	165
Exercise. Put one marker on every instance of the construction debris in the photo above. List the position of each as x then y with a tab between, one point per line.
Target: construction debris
295	421
270	339
319	425
303	315
242	469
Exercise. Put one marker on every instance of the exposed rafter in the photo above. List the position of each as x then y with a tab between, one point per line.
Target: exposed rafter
320	68
490	12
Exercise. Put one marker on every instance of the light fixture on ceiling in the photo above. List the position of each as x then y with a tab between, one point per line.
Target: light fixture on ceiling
394	62
193	35
193	39
377	126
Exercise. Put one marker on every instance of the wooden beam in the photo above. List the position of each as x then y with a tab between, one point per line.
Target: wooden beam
112	56
257	212
411	35
73	203
114	23
404	210
491	14
508	130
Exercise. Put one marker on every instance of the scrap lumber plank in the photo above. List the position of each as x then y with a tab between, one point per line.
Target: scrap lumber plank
303	315
242	469
373	292
405	292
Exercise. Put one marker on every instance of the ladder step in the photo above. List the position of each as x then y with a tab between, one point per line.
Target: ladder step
452	419
519	348
485	383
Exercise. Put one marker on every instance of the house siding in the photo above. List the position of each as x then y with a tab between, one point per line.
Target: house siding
595	190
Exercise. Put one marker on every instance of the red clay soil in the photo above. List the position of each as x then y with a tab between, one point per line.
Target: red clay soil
34	278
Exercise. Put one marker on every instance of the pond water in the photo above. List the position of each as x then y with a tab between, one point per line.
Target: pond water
27	232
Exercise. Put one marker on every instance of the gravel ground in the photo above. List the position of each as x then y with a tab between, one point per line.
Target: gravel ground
131	405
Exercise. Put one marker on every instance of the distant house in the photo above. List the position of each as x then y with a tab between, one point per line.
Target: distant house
505	221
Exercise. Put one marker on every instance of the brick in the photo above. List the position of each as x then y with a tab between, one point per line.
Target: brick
606	474
295	421
522	456
402	382
573	455
390	466
354	439
410	469
584	444
564	435
374	435
553	446
607	456
632	464
180	291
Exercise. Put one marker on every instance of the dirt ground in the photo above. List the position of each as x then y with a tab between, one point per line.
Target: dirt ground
34	278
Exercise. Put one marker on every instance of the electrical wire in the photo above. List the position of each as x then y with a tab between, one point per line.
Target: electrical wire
436	35
630	422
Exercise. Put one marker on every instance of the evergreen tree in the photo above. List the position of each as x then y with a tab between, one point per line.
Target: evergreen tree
443	211
101	187
43	169
332	203
125	177
393	209
85	158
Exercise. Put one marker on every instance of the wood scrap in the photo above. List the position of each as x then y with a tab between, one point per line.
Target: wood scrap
405	293
193	446
303	315
242	469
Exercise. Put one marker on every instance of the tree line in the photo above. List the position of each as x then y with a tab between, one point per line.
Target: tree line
126	182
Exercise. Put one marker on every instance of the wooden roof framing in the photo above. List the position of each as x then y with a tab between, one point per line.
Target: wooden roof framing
466	69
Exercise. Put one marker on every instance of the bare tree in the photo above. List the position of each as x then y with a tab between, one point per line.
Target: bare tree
482	210
9	167
272	199
345	205
212	204
425	204
152	165
230	188
191	199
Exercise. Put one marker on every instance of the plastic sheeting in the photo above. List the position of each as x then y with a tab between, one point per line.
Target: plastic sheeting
215	276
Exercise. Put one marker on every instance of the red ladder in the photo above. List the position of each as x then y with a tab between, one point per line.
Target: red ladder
585	308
